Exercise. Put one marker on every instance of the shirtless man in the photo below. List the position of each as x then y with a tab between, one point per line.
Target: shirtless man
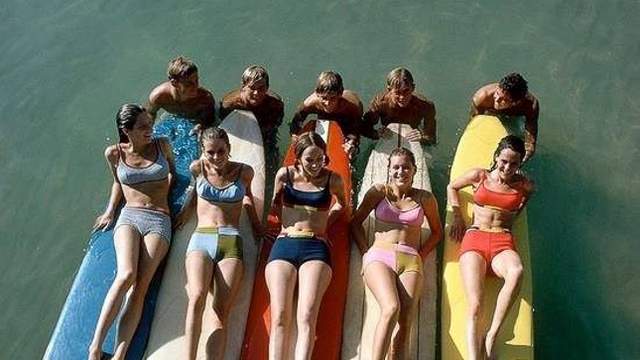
254	95
181	95
510	97
399	104
330	101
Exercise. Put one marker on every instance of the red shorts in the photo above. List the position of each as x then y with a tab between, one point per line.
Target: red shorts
488	244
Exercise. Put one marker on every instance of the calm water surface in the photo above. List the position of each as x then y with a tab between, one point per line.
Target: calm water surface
66	66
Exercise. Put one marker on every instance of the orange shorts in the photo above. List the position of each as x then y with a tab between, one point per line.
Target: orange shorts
488	244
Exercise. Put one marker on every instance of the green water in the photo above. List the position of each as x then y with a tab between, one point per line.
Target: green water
66	66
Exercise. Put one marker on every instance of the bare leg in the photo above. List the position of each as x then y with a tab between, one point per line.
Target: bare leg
313	280
227	284
152	251
199	269
382	282
506	265
410	288
473	269
281	282
127	245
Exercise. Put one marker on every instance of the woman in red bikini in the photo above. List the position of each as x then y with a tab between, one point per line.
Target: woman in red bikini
488	245
392	266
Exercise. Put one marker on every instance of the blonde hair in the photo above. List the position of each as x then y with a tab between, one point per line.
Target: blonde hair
254	74
181	68
329	82
399	78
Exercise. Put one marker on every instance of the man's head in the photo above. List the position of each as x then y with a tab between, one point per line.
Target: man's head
511	89
329	88
255	84
400	86
183	75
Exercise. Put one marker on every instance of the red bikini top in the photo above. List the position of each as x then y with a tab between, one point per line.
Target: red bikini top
503	201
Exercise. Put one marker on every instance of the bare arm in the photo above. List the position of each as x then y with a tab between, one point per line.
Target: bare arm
429	126
339	207
190	197
472	177
370	118
430	207
115	197
276	202
373	196
531	130
248	204
298	118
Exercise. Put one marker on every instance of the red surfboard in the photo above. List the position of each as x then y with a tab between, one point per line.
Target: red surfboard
329	326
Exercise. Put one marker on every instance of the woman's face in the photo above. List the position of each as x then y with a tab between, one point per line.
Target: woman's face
216	152
401	171
142	131
401	96
312	160
507	163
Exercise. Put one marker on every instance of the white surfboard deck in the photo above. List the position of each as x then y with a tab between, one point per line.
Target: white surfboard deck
166	340
362	312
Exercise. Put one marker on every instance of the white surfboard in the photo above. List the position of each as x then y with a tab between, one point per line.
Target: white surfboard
167	331
362	311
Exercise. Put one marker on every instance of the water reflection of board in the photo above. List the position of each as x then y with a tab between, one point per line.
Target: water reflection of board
362	311
515	340
329	327
79	316
167	333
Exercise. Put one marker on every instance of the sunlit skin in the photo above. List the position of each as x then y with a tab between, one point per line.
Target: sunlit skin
202	273
397	296
507	265
134	272
183	97
254	94
312	277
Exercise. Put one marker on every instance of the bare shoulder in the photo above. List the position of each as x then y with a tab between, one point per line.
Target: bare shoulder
484	93
336	181
377	188
161	94
195	167
281	175
165	145
111	153
231	98
351	95
423	102
206	96
527	185
247	171
311	101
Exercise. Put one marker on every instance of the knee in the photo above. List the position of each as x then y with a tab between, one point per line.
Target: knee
390	311
279	318
197	297
514	274
125	279
307	318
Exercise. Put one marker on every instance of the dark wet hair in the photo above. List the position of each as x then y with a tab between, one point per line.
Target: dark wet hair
399	78
126	119
309	139
515	85
211	133
329	82
511	142
402	151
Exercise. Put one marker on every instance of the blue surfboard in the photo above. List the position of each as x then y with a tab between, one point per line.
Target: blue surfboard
77	321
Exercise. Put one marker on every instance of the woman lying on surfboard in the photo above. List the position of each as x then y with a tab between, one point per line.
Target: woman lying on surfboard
488	246
392	266
303	196
142	169
214	254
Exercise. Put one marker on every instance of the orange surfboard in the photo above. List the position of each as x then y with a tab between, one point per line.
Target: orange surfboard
329	326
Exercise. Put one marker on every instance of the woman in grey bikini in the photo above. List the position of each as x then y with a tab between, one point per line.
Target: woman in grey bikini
142	169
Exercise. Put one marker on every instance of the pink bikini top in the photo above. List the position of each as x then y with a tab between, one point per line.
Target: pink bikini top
387	212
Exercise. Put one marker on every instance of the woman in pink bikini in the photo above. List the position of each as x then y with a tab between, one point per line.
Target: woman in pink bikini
392	266
488	245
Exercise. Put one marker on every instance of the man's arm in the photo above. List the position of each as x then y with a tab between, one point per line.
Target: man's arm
429	125
154	103
298	118
370	119
531	129
207	115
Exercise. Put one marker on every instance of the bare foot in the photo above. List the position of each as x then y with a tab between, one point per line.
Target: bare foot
489	341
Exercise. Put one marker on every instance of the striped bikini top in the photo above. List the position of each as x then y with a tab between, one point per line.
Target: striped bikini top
387	212
131	175
319	200
231	193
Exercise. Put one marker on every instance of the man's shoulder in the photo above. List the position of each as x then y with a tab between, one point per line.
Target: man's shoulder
231	98
422	101
484	94
161	93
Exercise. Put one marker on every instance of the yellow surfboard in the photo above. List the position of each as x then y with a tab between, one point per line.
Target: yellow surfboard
515	340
